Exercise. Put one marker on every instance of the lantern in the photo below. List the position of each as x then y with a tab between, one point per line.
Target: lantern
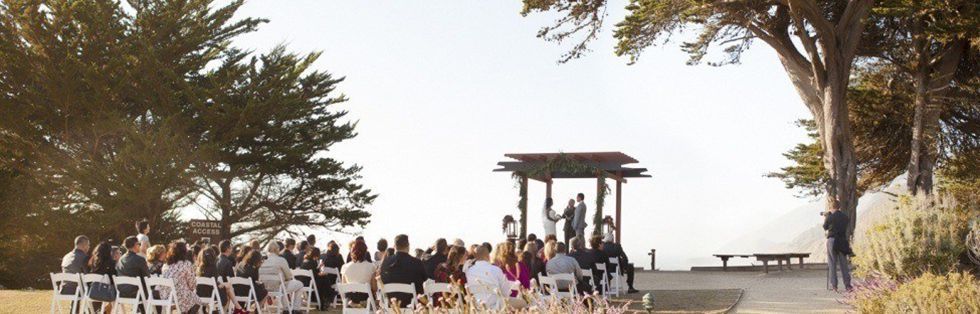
510	228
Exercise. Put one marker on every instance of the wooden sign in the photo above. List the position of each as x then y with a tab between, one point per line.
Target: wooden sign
205	229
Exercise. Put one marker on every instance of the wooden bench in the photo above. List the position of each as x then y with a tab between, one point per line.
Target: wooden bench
779	258
725	257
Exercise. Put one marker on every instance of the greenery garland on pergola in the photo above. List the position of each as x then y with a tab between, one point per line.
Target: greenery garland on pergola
561	163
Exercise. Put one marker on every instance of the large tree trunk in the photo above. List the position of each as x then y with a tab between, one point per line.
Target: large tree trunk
925	147
838	145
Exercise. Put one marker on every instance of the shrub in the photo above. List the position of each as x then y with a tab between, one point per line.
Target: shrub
923	235
950	293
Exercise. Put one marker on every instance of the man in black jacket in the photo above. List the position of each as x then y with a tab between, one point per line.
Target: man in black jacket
226	264
131	264
613	249
838	248
402	267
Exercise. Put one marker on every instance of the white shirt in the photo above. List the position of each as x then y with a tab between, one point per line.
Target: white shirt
358	272
144	241
276	265
492	278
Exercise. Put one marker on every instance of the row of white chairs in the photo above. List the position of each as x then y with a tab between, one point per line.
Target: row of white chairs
81	302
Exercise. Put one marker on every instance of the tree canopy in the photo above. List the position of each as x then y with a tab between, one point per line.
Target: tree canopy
112	112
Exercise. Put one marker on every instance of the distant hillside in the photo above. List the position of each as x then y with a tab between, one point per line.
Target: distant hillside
800	229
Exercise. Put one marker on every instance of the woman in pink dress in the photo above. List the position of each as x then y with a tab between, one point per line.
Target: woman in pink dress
506	259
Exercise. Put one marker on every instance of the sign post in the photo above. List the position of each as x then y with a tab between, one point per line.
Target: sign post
205	230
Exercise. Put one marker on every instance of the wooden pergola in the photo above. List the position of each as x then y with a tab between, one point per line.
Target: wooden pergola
607	164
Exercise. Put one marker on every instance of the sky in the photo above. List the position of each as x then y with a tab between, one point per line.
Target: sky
441	90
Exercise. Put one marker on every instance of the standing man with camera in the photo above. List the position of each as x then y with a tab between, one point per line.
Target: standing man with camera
838	248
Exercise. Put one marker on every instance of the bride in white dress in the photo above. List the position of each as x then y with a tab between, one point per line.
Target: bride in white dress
549	218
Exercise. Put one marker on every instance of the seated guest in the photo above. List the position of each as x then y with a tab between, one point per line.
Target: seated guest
532	238
181	271
506	259
132	264
288	255
382	247
155	257
491	279
75	262
459	242
303	248
470	256
403	268
438	257
207	266
332	258
255	245
359	270
248	267
551	238
102	263
276	267
311	240
529	256
241	254
613	249
311	262
351	246
560	263
595	242
586	258
225	265
451	271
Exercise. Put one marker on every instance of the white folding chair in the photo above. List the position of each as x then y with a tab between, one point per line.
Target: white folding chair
586	275
327	271
345	288
88	305
432	288
166	287
213	301
276	286
566	278
70	282
603	278
248	298
398	288
122	282
309	290
616	283
480	289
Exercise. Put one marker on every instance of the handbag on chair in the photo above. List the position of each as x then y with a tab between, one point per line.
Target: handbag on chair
102	291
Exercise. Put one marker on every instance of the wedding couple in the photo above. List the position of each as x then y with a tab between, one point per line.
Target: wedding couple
574	215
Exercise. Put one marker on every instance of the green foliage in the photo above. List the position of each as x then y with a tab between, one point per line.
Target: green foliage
807	173
263	139
114	111
881	114
923	235
930	293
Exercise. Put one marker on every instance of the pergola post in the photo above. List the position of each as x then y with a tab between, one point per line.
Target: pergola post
619	210
547	190
524	214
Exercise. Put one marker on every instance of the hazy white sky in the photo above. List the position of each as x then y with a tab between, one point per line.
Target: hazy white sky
442	89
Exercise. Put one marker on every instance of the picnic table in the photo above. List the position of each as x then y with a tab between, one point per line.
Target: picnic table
765	258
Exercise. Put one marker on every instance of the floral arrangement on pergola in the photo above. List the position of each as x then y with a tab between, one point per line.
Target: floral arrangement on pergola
548	166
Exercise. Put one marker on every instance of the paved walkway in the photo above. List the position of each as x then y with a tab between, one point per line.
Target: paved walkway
796	291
